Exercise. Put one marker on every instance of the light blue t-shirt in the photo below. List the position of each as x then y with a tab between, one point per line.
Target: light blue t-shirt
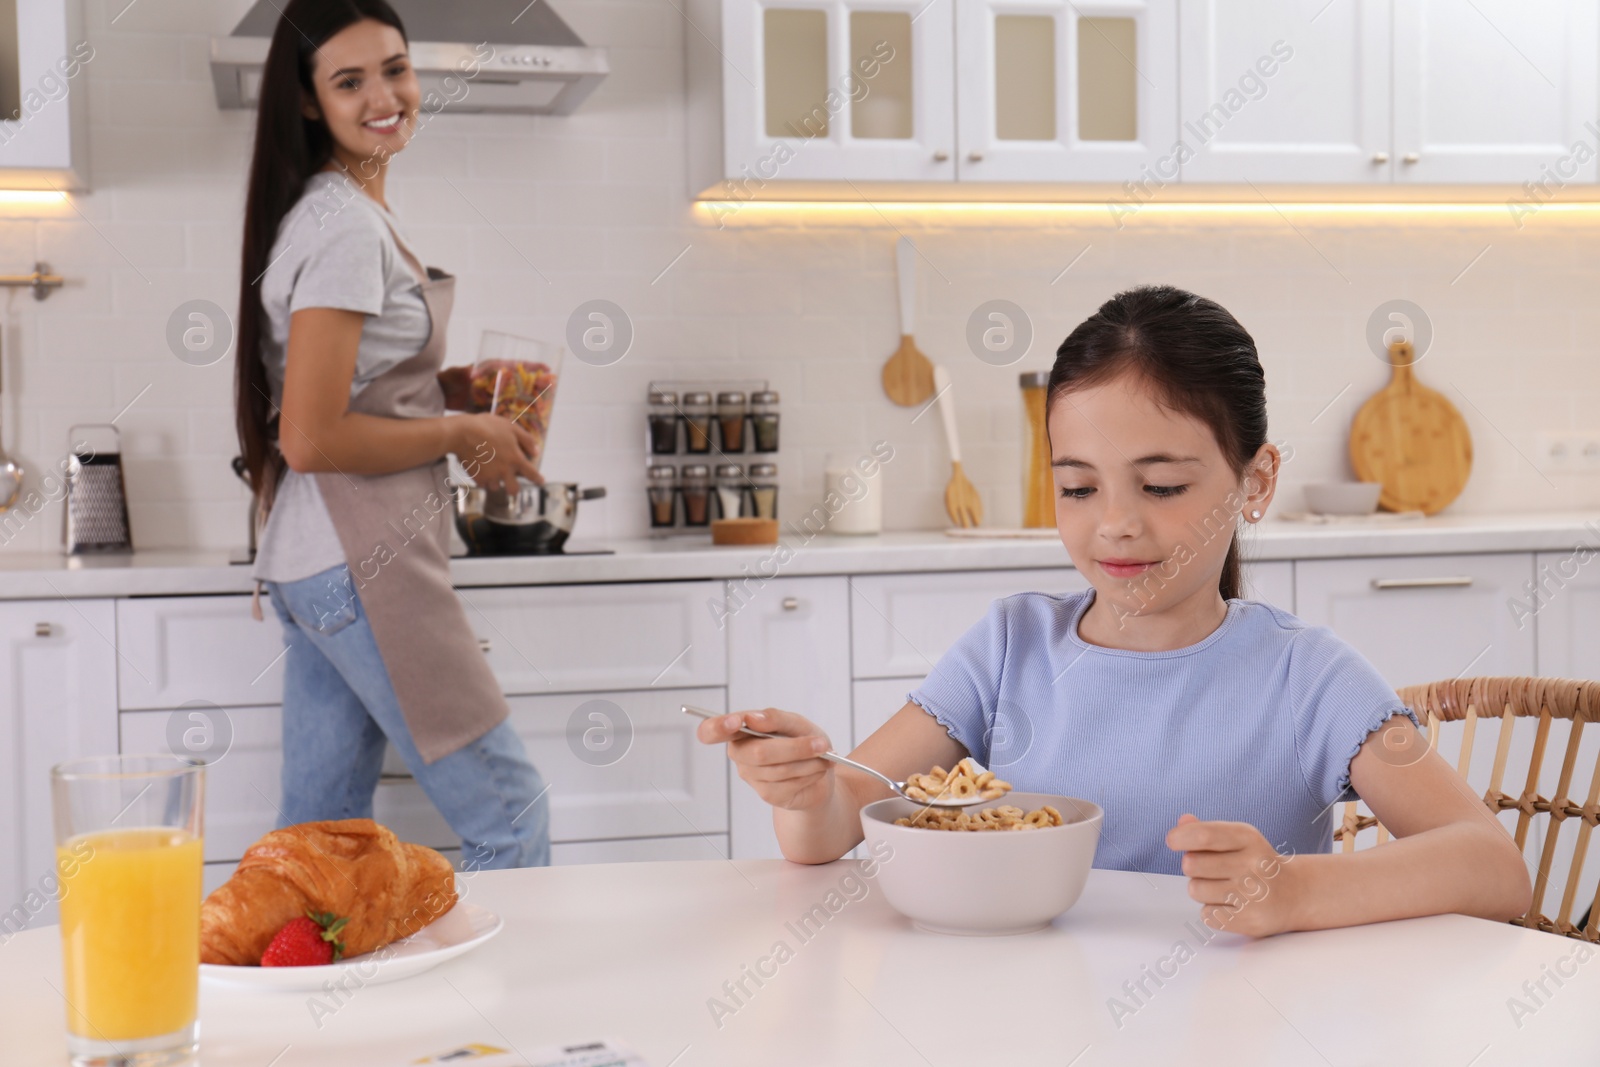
1257	723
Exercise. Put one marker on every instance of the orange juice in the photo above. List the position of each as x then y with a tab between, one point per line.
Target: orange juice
130	931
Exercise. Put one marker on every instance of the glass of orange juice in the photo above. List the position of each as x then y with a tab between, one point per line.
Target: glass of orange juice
128	854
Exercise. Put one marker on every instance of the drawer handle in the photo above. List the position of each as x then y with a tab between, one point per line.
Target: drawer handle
1454	581
397	776
43	629
791	603
485	645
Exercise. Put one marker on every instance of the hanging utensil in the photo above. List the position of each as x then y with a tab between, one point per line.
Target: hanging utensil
908	376
961	498
1412	439
11	473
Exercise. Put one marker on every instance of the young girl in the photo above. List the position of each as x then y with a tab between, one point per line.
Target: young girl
1217	733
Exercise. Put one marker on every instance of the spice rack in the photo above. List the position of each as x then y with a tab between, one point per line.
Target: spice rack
711	452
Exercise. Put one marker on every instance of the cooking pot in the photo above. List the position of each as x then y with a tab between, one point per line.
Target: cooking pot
534	522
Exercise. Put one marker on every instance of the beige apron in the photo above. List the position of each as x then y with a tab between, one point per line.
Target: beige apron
395	531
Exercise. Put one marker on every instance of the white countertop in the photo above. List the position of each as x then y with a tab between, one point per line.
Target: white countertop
635	952
180	572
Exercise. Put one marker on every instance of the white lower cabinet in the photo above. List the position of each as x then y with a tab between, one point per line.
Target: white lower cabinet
58	701
176	649
640	850
659	781
788	648
1423	618
1271	582
900	624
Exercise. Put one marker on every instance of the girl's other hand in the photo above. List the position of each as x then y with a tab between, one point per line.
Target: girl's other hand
494	451
786	771
1246	887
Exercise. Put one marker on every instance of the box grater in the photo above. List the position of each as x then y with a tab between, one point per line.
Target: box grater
97	500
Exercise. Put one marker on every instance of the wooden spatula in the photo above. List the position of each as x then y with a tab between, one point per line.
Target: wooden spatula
1411	439
960	497
908	376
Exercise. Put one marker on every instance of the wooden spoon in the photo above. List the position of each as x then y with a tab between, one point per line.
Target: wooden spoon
1411	439
960	497
908	376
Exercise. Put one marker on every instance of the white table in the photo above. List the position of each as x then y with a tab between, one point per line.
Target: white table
636	951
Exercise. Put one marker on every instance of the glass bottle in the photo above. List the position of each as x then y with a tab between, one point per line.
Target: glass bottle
764	420
730	490
695	489
664	422
697	422
1038	496
730	421
764	489
661	486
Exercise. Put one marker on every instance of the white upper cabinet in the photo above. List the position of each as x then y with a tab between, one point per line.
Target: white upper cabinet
43	118
832	89
1494	90
1277	91
1142	92
1053	90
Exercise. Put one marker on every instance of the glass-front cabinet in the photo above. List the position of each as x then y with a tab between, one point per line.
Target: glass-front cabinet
1144	92
832	89
1057	90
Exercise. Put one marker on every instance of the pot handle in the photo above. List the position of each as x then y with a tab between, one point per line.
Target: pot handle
594	492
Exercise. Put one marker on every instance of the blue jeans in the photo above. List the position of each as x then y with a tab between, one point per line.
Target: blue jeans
339	709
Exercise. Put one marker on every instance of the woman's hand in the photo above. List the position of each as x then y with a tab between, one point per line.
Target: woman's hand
493	450
786	771
456	382
1246	887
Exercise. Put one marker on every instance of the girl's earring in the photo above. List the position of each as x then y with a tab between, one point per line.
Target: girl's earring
1255	516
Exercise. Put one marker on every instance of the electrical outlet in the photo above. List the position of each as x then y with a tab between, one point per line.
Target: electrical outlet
1574	452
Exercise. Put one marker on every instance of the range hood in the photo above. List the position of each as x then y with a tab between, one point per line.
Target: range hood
529	61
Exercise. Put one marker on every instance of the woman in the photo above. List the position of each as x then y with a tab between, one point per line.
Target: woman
341	419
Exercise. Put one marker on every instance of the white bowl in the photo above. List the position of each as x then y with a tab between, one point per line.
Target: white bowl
986	882
1343	498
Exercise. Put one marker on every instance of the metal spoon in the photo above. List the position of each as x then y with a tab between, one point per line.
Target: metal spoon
11	475
898	787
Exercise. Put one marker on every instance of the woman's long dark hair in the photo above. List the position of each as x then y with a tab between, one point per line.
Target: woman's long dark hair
289	149
1195	355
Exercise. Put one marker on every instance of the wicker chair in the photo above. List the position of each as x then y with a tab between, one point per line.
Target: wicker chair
1468	700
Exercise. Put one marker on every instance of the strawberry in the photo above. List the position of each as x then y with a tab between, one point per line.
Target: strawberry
306	941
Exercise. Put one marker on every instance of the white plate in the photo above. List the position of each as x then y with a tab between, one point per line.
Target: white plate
461	929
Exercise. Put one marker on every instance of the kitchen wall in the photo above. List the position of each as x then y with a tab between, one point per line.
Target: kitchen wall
538	215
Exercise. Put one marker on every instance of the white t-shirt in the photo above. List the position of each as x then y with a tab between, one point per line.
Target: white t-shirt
335	249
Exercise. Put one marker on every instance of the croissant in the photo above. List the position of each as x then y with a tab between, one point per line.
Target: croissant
353	868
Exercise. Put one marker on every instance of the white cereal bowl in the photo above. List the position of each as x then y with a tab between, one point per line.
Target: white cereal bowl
1343	498
984	883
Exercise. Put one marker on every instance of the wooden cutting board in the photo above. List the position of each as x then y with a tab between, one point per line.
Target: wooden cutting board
1411	439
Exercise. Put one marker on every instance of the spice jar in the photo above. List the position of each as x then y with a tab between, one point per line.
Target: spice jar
697	422
663	419
764	420
764	489
1038	496
730	421
661	486
695	489
730	490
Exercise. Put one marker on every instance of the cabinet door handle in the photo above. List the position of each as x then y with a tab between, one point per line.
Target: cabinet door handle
1453	581
1410	157
791	603
974	157
485	646
941	156
43	629
1380	157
